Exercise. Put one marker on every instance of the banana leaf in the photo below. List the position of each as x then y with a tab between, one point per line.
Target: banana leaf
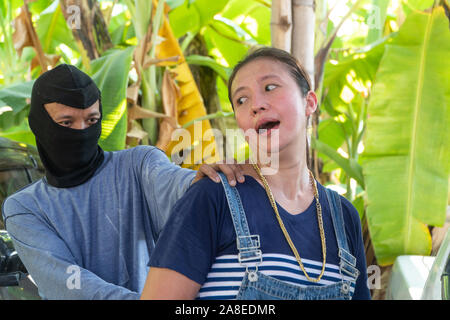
192	16
253	17
350	166
14	97
206	61
110	73
407	149
52	30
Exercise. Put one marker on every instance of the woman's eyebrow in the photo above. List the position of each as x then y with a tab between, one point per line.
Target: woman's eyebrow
268	76
237	90
263	78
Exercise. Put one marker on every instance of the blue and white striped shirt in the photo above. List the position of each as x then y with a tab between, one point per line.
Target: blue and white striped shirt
226	274
199	241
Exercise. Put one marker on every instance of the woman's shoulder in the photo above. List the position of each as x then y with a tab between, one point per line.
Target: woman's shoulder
205	190
350	214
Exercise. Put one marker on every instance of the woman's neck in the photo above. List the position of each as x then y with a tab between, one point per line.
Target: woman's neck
291	180
288	177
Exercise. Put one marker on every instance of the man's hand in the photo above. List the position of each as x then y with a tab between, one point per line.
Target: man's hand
233	172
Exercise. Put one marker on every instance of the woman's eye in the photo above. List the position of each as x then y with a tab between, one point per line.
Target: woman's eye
270	87
241	100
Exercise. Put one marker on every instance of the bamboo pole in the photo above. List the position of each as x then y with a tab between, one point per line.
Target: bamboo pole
303	20
281	24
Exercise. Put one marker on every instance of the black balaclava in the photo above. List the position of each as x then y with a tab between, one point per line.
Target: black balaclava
70	156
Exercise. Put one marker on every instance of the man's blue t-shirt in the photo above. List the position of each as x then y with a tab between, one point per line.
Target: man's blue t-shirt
93	241
199	240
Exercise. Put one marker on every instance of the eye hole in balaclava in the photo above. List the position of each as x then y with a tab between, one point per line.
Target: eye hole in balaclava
70	156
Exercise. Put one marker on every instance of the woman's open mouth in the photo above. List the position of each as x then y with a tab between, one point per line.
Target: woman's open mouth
266	127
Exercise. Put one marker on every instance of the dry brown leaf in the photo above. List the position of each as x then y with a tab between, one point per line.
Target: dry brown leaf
51	60
21	36
25	35
140	52
160	62
136	112
165	135
170	94
133	93
137	133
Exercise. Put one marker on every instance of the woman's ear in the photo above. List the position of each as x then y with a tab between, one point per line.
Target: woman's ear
311	103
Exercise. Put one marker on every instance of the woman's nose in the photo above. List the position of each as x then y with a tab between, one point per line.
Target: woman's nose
259	103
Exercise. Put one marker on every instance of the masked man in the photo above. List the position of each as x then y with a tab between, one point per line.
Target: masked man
86	230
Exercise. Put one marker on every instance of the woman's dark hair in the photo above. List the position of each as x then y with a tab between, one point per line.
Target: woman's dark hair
297	71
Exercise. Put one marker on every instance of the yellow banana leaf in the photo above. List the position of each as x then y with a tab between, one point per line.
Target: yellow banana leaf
199	146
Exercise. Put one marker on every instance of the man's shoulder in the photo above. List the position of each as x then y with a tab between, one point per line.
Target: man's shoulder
15	203
138	153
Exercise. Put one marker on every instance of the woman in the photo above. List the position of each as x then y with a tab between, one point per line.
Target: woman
283	236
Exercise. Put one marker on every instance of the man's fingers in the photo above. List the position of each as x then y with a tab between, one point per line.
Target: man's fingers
209	170
233	172
239	173
229	173
237	169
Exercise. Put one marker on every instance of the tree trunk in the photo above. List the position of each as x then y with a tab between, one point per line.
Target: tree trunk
281	24
88	25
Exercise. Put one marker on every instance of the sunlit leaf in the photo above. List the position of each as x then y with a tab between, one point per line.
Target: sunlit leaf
407	153
222	71
192	17
110	73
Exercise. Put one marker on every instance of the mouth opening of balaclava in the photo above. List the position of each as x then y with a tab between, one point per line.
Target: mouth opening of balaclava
70	156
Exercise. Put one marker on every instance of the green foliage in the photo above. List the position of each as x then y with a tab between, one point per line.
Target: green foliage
221	71
406	165
110	73
191	17
53	31
12	67
228	27
346	90
13	105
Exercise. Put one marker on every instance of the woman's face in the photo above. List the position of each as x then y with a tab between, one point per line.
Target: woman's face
267	99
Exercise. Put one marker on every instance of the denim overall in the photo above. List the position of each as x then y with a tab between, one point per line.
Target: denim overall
258	286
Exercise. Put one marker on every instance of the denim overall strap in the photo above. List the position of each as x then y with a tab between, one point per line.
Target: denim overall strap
248	245
348	261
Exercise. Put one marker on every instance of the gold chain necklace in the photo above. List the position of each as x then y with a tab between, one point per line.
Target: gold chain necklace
286	234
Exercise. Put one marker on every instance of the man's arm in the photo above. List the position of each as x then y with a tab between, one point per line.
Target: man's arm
52	265
164	183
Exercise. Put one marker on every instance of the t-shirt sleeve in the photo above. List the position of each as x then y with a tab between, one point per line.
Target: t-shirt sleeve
189	241
163	184
356	244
